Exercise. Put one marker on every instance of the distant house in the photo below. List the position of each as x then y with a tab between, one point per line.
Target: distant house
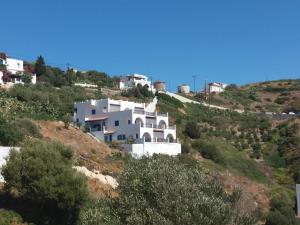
12	70
139	128
133	80
216	87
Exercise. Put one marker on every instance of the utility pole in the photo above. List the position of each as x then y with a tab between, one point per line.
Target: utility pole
194	79
205	97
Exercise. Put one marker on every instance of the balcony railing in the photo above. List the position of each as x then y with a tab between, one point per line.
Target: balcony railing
151	125
155	140
154	114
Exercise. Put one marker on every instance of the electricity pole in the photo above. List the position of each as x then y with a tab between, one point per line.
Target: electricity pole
194	79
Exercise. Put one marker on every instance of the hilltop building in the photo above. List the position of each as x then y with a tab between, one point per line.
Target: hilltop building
216	87
184	88
133	80
137	126
160	85
12	70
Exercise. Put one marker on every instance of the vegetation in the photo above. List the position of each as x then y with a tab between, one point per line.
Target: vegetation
139	92
41	175
8	217
46	102
164	190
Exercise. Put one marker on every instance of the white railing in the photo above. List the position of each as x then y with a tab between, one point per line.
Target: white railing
151	125
154	114
155	140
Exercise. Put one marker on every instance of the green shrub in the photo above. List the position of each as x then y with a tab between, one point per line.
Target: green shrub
9	136
8	217
209	151
169	100
42	174
281	100
192	130
162	190
26	127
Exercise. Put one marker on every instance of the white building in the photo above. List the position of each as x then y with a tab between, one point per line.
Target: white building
137	126
15	71
216	87
133	80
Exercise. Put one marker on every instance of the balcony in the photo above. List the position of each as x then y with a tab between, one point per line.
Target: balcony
158	126
155	140
152	114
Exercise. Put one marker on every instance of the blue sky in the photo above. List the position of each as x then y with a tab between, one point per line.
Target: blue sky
233	41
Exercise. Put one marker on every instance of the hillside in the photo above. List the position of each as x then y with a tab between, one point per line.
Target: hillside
272	96
256	154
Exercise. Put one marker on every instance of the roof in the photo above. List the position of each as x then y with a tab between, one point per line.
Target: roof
137	76
95	118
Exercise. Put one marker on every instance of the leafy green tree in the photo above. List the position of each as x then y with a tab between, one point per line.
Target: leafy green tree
26	78
40	66
192	130
163	190
41	173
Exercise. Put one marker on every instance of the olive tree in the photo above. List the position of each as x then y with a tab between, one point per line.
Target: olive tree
163	190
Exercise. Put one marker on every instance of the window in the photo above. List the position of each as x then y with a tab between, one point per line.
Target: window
93	111
129	122
136	136
77	120
116	123
121	137
75	110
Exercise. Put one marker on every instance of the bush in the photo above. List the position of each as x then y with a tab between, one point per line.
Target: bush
67	119
281	100
169	100
282	212
8	134
162	190
209	151
41	173
192	130
10	218
26	127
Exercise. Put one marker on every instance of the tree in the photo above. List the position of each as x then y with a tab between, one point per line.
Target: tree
41	173
40	66
192	130
26	78
67	119
163	190
70	76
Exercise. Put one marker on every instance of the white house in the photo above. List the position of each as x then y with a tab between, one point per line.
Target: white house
132	80
137	126
216	87
14	69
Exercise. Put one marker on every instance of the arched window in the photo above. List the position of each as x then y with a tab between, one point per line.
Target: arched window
139	121
162	124
170	138
147	137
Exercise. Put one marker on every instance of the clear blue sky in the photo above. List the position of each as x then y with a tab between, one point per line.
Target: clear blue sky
234	41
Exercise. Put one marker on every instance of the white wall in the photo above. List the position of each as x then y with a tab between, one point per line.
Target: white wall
138	150
1	76
14	65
